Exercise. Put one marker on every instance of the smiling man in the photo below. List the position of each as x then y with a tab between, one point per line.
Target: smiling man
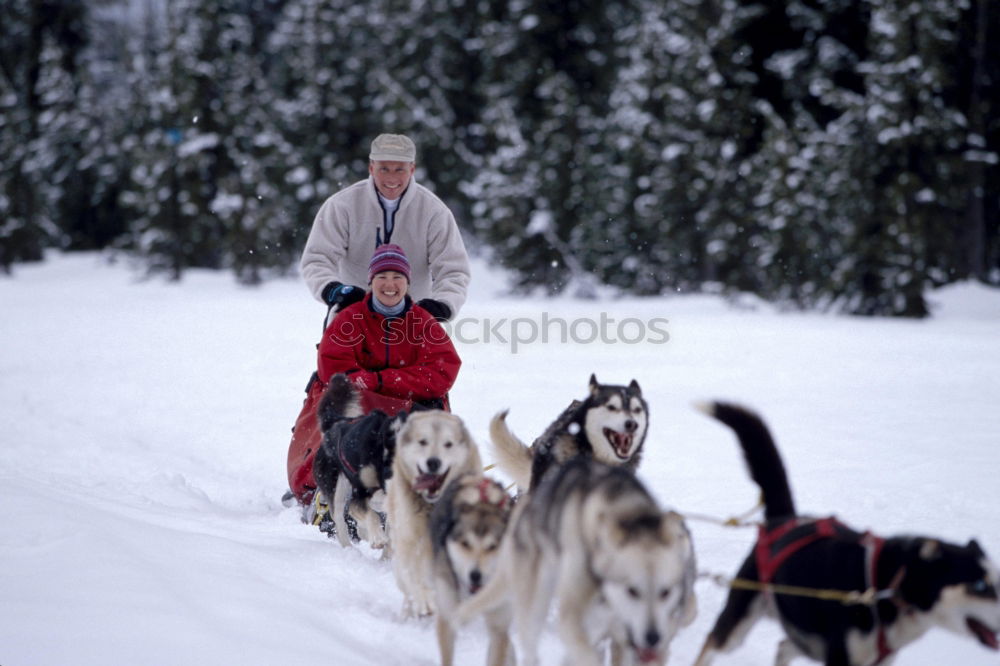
387	207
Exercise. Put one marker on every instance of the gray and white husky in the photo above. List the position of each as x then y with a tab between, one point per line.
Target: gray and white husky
592	537
609	425
467	528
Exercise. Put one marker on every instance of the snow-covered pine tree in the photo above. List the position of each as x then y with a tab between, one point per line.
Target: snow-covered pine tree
40	47
914	133
683	129
549	68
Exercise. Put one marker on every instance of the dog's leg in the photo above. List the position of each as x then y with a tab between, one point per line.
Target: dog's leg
575	595
532	593
836	653
500	652
408	568
446	640
742	609
420	571
617	653
377	501
373	528
786	652
358	510
340	499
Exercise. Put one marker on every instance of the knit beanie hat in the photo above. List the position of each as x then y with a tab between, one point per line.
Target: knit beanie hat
393	148
389	257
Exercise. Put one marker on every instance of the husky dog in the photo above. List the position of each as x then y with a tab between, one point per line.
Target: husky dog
354	461
466	528
593	537
432	448
609	425
919	582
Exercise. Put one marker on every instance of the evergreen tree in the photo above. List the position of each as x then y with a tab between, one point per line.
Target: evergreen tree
548	74
907	244
683	129
40	47
210	160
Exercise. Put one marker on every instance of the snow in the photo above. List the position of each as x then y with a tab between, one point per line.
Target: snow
145	426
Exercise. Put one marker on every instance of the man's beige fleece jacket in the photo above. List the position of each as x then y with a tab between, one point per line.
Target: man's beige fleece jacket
343	238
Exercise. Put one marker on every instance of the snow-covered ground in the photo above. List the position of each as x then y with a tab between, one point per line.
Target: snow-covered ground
144	429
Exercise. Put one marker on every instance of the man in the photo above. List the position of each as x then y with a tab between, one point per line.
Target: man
387	207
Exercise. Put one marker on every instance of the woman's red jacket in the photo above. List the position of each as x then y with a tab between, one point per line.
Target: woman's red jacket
409	357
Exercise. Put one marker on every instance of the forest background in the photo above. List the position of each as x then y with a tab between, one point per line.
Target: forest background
827	154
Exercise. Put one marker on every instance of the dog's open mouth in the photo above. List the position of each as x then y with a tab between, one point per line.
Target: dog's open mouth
621	442
429	485
647	655
986	636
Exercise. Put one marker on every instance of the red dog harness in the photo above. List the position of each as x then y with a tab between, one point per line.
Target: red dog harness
778	543
484	486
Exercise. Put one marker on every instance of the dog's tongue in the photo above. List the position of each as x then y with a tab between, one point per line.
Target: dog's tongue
648	655
985	635
427	482
620	441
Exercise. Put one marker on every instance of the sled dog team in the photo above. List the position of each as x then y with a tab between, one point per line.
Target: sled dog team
584	531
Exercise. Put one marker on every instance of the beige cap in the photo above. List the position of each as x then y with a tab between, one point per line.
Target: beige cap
393	148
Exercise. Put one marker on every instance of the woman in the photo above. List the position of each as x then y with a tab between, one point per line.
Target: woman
388	345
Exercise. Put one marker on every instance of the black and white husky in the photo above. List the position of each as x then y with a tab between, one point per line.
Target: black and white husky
354	461
609	425
918	582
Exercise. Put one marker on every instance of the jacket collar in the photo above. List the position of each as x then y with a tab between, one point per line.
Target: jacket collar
371	308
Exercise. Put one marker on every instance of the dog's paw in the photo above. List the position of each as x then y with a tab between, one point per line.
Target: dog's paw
416	609
379	540
422	606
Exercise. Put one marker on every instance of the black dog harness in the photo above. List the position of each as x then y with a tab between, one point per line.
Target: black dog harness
777	543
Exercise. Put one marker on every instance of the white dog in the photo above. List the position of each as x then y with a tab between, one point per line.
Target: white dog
432	448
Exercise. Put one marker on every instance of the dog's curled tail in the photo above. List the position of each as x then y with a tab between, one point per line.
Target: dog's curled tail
512	455
761	454
340	401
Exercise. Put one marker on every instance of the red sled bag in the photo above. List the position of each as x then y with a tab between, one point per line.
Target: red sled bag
307	436
306	439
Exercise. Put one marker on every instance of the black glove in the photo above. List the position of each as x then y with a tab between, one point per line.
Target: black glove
339	296
439	310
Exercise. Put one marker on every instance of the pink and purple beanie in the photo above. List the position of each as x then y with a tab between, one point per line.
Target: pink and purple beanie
389	257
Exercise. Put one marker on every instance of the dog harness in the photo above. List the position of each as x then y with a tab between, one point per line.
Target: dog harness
777	543
484	486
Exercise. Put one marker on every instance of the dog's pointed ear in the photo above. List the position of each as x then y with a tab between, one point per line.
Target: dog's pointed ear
634	387
976	548
593	384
